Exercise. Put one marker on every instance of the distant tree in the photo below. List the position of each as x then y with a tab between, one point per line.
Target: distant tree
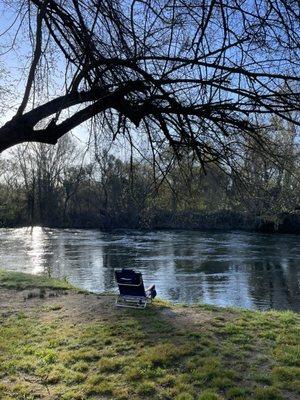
193	74
187	187
12	195
272	184
124	187
40	170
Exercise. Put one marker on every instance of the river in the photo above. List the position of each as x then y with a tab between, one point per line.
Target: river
250	270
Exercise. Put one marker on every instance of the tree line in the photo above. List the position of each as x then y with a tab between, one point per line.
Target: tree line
62	186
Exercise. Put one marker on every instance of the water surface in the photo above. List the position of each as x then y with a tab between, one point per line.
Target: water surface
249	270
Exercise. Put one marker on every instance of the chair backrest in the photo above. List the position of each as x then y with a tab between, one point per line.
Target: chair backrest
130	283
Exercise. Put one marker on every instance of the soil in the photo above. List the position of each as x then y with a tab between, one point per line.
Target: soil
77	307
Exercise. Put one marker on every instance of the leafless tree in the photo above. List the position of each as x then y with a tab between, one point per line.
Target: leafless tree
193	74
41	171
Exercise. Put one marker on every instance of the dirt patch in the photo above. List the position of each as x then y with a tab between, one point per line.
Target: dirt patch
56	304
182	316
76	307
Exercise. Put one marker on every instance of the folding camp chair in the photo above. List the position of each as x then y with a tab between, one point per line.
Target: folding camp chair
132	291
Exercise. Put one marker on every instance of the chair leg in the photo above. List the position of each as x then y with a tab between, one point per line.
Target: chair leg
130	302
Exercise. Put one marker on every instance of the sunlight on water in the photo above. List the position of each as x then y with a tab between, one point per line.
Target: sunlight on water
226	269
27	247
36	243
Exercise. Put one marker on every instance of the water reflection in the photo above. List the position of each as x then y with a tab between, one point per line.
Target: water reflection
236	269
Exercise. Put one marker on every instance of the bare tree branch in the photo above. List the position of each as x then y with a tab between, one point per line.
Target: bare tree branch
203	74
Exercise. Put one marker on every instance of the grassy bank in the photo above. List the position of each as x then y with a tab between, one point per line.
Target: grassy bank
70	345
21	281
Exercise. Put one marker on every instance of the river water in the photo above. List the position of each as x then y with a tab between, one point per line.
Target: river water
248	270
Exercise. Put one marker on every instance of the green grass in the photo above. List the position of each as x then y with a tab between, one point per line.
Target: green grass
20	281
142	354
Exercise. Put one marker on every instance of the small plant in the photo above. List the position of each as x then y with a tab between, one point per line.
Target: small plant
209	395
32	295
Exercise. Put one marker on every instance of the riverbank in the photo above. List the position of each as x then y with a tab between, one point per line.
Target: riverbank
220	221
60	343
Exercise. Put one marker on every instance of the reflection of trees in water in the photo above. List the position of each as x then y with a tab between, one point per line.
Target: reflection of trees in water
230	288
77	255
227	269
275	285
194	271
216	280
130	252
189	267
54	254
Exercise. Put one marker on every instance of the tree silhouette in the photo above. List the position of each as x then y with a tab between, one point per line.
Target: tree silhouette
199	75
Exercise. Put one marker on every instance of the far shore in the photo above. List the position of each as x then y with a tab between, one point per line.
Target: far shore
219	221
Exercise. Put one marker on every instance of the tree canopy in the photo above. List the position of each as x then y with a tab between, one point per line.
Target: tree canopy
197	75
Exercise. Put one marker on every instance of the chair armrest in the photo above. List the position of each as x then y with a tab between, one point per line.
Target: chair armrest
150	288
151	292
